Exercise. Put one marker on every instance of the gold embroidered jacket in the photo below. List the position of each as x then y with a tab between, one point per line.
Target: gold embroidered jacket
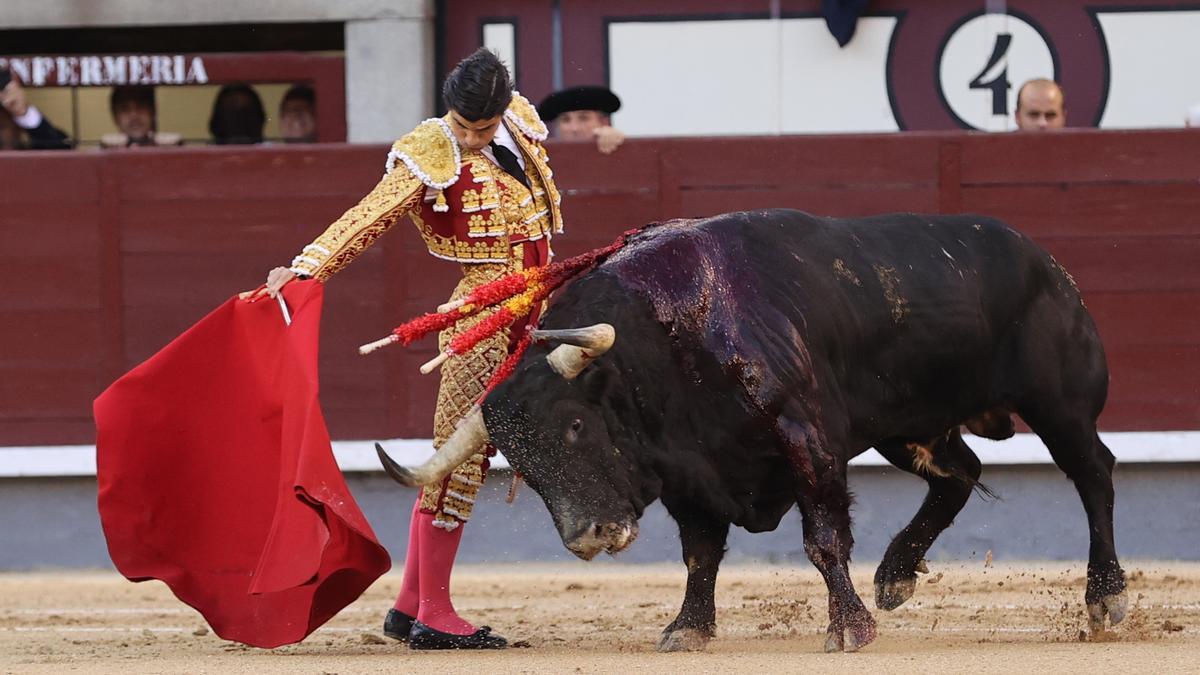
465	207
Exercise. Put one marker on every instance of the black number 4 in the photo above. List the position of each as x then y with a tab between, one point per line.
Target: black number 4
998	84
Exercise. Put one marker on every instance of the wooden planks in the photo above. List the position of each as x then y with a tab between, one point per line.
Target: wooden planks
108	257
1095	210
1080	156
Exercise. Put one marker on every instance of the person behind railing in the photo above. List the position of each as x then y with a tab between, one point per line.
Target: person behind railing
1041	106
298	115
238	116
135	112
22	125
583	114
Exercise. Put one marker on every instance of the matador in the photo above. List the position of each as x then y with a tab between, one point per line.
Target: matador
477	185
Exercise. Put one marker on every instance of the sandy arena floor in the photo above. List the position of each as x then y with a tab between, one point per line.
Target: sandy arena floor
965	617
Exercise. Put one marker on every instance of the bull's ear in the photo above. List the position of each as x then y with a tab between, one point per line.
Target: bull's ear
604	385
595	381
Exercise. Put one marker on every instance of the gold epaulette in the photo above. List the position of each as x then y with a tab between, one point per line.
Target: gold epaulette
429	152
522	114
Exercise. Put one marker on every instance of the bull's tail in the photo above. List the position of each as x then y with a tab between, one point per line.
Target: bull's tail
975	484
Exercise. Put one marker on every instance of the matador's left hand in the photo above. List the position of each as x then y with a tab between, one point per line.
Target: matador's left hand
276	280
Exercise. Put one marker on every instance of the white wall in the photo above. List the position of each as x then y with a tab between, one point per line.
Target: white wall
760	76
1129	447
1154	61
749	77
502	39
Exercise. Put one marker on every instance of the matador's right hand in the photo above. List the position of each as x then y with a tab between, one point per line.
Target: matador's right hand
276	280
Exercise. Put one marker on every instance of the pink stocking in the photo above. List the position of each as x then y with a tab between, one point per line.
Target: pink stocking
436	550
410	587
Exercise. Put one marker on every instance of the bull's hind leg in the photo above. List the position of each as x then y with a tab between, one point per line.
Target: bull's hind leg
703	542
951	469
1079	452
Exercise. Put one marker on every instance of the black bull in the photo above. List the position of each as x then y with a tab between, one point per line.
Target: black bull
757	352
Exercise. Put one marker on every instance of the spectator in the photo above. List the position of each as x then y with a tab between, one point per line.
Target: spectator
1193	117
25	127
136	115
298	115
11	135
1041	106
583	114
237	116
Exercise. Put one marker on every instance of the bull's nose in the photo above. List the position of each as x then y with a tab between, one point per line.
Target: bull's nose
627	535
596	537
586	543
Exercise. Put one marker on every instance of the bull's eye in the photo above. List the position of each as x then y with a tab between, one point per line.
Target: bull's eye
572	434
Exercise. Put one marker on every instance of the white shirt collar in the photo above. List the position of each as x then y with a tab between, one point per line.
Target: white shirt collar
504	138
32	118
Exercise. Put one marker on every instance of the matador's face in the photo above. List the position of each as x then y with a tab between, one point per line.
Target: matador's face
473	135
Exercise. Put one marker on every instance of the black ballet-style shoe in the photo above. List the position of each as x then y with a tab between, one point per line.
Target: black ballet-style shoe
397	625
424	637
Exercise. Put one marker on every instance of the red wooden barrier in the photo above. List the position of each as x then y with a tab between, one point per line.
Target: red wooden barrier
109	256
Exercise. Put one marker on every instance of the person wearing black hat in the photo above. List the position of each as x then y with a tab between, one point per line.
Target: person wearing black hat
584	113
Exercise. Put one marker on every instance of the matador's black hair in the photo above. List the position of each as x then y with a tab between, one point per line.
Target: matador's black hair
479	87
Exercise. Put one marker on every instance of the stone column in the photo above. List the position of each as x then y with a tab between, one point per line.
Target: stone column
389	70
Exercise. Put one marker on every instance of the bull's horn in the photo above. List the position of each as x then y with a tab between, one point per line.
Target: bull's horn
468	439
580	347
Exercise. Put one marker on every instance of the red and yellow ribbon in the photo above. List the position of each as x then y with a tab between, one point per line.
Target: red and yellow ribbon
517	294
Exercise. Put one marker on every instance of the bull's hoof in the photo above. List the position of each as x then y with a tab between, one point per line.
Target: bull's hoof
895	582
834	641
858	633
684	640
1114	606
891	594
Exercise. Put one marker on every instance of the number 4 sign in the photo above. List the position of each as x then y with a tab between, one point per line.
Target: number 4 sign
983	63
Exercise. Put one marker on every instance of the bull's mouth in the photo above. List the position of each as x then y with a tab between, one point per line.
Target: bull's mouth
611	538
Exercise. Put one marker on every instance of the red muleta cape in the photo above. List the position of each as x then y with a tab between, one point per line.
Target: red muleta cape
216	476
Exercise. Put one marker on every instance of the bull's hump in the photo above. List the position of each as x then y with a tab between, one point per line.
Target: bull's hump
707	236
688	261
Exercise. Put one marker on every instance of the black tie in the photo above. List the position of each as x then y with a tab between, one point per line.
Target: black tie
508	162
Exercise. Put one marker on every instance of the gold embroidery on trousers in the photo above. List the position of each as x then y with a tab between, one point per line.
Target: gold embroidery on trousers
463	380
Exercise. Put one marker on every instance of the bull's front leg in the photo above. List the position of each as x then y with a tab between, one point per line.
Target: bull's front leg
703	540
824	501
827	542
